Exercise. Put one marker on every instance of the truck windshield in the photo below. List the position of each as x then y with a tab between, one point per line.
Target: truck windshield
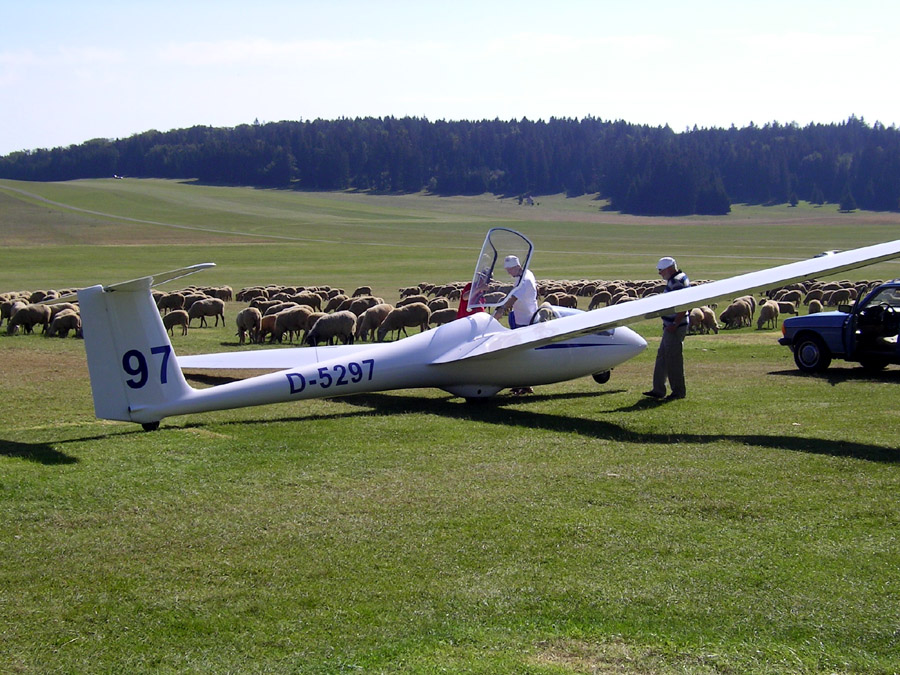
886	296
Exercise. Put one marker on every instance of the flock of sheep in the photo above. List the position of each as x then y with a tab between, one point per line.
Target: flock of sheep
323	314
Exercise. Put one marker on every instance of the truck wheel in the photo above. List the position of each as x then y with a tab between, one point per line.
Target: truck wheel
602	377
811	355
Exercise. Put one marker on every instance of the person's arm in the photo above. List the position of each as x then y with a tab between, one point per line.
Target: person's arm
502	309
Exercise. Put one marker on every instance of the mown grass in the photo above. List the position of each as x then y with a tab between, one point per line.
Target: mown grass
749	528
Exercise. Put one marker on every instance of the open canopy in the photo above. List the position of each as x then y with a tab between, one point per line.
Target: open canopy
499	243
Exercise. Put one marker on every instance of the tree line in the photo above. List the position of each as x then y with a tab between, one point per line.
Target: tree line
640	169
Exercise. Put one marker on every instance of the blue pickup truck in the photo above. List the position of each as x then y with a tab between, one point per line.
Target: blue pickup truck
865	332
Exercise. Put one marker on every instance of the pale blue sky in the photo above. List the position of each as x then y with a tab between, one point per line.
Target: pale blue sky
80	69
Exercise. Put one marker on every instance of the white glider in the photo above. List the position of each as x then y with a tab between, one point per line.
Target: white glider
136	376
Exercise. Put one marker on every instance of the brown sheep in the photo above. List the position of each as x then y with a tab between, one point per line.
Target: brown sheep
28	317
248	323
63	322
442	316
735	315
370	320
328	327
177	317
207	307
291	321
416	314
170	301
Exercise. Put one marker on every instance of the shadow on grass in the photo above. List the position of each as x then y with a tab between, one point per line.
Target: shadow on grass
836	376
497	411
41	453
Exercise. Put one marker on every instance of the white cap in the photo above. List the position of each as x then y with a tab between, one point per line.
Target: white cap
511	261
665	263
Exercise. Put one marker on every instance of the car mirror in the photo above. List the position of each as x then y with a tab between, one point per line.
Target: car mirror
844	308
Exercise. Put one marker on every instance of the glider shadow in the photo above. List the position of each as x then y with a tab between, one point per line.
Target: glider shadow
497	411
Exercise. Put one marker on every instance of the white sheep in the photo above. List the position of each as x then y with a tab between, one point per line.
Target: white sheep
768	315
709	320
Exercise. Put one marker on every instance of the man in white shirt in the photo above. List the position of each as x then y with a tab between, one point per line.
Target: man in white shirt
523	298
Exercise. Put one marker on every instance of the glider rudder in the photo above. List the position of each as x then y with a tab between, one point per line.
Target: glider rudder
132	366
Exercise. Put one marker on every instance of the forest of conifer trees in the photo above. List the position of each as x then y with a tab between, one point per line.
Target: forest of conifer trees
639	169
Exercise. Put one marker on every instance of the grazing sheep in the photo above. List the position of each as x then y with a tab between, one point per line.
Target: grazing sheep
267	326
709	320
794	296
28	317
410	299
438	303
248	323
751	302
177	317
63	322
370	320
340	325
735	315
441	316
312	300
360	305
334	302
601	297
291	321
207	307
170	301
768	315
787	307
840	297
815	294
815	306
416	314
695	321
278	308
191	298
362	290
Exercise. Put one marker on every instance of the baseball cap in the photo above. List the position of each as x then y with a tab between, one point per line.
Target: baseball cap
511	261
665	263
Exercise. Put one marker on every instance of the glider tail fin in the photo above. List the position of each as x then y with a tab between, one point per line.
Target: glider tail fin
132	366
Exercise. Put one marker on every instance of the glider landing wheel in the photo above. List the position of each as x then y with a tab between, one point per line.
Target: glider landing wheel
602	377
150	426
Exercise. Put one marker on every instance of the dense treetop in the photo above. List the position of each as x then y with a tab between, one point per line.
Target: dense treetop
640	169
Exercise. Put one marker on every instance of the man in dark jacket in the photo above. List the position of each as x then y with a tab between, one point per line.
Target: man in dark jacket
670	357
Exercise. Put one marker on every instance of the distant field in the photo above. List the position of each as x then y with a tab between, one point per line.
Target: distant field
262	236
751	528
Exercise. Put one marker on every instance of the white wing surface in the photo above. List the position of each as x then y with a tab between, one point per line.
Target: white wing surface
540	334
275	358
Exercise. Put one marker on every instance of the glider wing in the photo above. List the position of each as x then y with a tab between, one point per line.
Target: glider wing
605	318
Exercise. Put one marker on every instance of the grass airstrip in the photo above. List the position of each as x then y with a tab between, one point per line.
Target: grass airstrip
752	527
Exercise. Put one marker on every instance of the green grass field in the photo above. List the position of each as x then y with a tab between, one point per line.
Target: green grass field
749	528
